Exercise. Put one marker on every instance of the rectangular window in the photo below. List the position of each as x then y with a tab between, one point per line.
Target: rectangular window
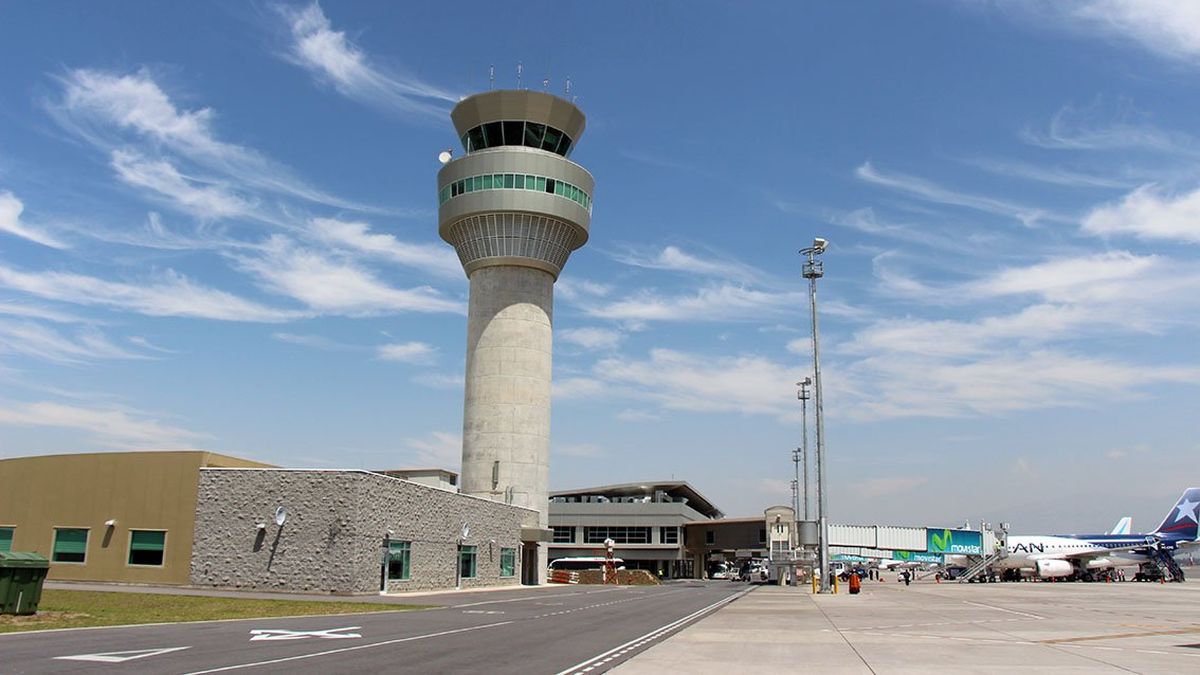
710	537
487	182
534	133
499	181
514	132
146	547
762	536
564	146
70	545
564	534
520	183
461	187
549	185
399	564
541	184
509	180
6	537
508	562
478	182
550	142
475	137
466	562
669	535
530	182
618	533
560	188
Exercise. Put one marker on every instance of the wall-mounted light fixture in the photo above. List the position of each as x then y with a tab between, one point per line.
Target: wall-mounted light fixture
260	527
111	522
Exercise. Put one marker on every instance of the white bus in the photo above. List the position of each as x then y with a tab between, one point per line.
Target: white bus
583	563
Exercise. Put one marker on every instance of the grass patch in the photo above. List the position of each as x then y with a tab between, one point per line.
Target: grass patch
76	609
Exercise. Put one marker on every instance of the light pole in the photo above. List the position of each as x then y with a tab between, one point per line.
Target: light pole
803	395
813	270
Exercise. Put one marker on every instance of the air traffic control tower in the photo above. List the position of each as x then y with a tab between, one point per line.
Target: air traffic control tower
514	208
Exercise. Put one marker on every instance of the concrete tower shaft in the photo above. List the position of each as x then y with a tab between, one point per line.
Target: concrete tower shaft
514	208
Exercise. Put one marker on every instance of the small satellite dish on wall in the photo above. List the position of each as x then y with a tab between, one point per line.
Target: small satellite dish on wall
466	530
445	156
280	516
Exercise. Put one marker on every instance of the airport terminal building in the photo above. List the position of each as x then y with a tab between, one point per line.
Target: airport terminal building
204	519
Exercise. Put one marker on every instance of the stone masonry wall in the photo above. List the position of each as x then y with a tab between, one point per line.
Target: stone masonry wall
332	540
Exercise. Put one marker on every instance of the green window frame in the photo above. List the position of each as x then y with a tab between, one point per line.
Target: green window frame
6	537
70	545
467	556
147	548
508	562
399	566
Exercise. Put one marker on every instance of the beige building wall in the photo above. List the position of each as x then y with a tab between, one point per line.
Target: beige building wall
139	490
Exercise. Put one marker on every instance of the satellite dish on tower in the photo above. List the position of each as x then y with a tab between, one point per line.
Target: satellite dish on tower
445	156
280	516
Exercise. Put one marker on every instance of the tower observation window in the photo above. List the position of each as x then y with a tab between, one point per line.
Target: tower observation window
509	181
516	132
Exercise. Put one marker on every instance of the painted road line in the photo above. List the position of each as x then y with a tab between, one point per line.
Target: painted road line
1001	609
121	657
255	664
282	634
590	664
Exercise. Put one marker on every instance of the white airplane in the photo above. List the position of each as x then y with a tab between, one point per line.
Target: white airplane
1049	556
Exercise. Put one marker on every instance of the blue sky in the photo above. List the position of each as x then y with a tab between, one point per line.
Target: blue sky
218	231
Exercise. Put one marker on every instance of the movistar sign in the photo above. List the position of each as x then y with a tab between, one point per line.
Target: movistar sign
968	542
912	556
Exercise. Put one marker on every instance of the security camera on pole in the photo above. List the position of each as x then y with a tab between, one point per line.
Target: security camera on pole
813	270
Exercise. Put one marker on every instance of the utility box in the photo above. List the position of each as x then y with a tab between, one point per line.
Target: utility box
21	578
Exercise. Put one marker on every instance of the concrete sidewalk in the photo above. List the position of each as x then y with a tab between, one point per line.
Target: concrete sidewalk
966	628
760	633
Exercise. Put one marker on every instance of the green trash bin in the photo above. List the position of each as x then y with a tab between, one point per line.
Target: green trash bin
21	578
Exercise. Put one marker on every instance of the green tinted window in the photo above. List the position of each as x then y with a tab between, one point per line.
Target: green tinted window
541	184
146	547
530	182
508	562
6	537
399	559
487	182
551	141
509	180
519	182
70	545
478	181
466	562
534	133
498	180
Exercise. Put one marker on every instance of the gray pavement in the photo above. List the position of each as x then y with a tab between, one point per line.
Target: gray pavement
927	627
542	630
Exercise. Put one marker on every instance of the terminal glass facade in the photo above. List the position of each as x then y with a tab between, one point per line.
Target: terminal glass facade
619	534
517	132
514	181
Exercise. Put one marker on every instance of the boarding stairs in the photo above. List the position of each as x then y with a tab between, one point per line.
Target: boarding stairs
981	566
1166	562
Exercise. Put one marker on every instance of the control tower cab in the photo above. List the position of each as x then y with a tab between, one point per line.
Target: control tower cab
514	208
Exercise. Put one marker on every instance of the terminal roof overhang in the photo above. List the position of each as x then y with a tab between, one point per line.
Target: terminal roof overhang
675	489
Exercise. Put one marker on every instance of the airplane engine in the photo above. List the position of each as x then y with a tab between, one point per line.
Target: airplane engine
1054	568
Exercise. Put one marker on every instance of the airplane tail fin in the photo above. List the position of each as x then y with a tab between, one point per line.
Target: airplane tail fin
1123	526
1181	520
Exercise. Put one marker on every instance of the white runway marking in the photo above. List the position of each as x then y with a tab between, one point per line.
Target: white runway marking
281	634
327	652
121	657
1001	609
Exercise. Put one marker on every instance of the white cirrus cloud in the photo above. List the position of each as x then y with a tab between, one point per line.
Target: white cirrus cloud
746	384
438	259
110	110
407	352
1164	27
438	449
1148	213
331	57
113	427
591	337
725	302
674	259
35	340
11	209
204	199
335	286
165	294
